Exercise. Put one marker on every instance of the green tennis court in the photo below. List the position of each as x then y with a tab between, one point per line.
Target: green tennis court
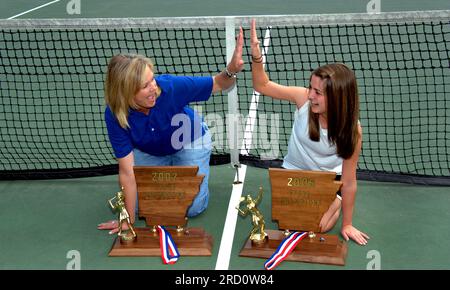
46	221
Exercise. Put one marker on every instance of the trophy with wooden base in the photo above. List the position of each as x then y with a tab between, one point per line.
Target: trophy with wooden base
164	195
299	200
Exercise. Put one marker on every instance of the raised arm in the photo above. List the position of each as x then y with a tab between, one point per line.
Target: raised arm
113	207
259	197
226	78
261	81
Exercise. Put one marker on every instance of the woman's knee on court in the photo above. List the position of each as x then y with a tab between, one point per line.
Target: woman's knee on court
199	204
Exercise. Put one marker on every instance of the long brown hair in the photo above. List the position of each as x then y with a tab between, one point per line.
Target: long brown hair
341	91
124	79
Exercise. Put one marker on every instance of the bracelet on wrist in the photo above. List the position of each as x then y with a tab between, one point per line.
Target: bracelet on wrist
229	74
257	59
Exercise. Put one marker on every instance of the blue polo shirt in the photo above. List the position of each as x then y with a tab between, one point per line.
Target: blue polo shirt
152	133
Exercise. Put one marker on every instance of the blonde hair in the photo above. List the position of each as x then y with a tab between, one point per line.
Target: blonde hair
124	79
341	91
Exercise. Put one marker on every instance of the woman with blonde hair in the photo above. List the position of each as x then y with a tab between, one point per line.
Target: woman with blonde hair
150	123
326	134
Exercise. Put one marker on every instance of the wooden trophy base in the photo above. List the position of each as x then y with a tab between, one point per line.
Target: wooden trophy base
193	242
311	250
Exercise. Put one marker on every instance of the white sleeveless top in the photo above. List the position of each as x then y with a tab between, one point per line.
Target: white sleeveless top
305	154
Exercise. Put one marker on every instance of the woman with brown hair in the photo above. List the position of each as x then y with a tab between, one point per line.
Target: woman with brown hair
143	115
326	134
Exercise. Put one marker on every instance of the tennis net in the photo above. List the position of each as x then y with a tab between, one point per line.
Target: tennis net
52	73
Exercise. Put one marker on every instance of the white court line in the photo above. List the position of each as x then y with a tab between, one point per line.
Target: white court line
226	243
36	8
223	258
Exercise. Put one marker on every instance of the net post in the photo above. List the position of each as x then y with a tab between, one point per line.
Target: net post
233	109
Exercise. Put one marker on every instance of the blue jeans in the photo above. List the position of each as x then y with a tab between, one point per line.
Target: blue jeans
196	153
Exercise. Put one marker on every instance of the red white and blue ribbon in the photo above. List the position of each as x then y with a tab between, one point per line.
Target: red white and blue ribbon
284	249
169	251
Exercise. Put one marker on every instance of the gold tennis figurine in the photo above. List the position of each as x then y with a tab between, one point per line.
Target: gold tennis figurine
257	235
119	206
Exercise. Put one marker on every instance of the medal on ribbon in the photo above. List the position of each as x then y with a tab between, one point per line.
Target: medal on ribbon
284	249
169	251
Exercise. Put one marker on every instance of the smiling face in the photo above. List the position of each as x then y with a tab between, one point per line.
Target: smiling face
317	95
334	99
146	96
